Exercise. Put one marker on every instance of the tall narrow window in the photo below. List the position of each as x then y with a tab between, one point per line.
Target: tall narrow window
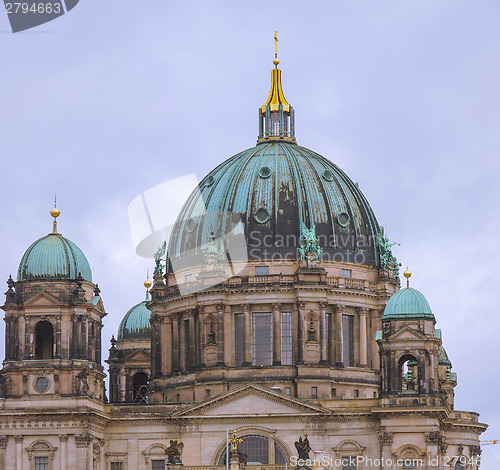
286	338
239	338
44	340
262	339
140	391
348	340
158	465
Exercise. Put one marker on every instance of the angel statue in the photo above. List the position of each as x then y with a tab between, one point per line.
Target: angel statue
174	452
158	272
309	249
303	448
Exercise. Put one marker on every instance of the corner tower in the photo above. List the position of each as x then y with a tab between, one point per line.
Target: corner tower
53	316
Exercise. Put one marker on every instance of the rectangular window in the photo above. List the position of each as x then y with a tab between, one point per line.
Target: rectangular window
189	278
116	466
334	392
239	338
41	463
158	465
262	339
287	391
349	462
346	273
178	397
314	392
348	340
356	393
262	270
207	392
286	338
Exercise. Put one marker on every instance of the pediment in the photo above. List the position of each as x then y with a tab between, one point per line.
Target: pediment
251	400
42	299
138	356
407	333
97	302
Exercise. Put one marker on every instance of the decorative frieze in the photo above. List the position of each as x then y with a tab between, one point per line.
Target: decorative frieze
385	438
83	440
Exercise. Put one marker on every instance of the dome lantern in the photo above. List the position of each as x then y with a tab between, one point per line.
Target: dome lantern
276	115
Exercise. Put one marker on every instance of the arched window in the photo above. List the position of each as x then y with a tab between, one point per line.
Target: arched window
258	451
44	340
140	383
458	465
408	374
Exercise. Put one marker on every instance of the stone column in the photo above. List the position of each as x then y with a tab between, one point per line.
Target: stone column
322	334
220	335
3	448
58	338
301	331
339	360
202	335
166	345
21	348
385	440
276	334
375	350
363	337
123	380
182	344
19	452
191	360
63	438
357	339
228	335
247	340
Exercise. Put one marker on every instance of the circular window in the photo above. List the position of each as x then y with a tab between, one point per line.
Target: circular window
210	181
265	172
190	225
328	175
42	384
343	219
261	215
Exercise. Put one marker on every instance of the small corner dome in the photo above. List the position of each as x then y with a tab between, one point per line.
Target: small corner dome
407	303
53	257
135	324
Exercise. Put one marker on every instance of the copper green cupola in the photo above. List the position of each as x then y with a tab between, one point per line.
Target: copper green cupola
276	115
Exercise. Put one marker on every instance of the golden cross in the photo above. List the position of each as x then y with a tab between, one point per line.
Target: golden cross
235	440
276	44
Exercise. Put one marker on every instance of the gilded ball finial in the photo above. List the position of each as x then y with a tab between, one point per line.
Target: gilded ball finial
276	61
55	212
407	274
147	282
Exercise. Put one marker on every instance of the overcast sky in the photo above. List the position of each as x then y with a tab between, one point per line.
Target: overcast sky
118	96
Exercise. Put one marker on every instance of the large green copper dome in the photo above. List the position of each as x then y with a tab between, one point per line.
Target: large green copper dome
135	324
273	189
53	257
407	303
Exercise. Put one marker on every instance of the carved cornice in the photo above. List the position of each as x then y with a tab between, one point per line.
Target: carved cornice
83	440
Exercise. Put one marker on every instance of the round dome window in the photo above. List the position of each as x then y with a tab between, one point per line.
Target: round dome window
210	181
42	384
261	215
265	172
190	225
343	219
328	175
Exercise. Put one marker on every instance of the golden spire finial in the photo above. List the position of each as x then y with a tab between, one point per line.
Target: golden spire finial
55	212
276	60
235	440
147	283
407	274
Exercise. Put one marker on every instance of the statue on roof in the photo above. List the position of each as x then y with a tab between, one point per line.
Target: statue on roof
159	266
309	249
212	253
303	447
387	260
174	452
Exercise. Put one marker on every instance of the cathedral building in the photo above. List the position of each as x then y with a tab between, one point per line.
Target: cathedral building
276	315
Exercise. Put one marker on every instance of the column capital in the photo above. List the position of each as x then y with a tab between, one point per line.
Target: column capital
276	306
220	307
245	308
363	310
18	439
385	438
63	437
323	305
339	308
3	442
301	305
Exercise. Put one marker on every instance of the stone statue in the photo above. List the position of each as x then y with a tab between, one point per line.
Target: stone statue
211	252
159	266
303	448
174	452
3	385
83	383
387	260
309	249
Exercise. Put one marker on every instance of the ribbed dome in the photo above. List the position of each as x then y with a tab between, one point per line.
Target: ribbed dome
407	303
53	257
273	189
135	323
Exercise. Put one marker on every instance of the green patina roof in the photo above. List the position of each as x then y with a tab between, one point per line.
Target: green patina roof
443	357
135	323
53	257
407	303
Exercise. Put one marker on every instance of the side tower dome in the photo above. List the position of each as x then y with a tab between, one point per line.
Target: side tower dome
130	355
